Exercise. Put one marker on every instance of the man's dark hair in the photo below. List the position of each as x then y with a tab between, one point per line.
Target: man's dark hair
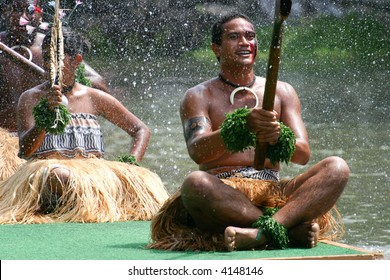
74	43
217	28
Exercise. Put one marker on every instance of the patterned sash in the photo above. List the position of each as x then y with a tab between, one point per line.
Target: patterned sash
82	137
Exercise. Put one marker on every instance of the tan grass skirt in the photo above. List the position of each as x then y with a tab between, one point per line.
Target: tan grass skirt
98	191
9	160
169	232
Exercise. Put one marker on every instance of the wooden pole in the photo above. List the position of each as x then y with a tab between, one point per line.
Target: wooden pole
20	59
282	11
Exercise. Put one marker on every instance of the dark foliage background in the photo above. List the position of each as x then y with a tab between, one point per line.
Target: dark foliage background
171	27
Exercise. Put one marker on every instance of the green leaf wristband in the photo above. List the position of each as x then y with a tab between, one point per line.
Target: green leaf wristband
46	118
237	137
234	132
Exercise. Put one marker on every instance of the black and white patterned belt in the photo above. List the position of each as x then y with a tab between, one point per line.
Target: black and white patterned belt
250	172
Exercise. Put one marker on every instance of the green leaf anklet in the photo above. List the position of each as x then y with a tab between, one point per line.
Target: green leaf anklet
275	233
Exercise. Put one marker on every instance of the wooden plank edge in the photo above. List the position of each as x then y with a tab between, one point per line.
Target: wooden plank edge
373	256
366	254
378	254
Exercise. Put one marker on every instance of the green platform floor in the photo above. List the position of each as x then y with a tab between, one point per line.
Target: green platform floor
127	241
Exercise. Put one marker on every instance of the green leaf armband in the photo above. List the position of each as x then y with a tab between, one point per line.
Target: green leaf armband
235	133
276	234
237	137
53	122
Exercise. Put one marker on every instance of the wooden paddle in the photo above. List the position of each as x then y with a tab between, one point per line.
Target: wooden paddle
282	11
24	62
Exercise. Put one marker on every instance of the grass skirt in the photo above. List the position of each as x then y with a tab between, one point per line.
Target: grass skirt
169	232
9	160
98	190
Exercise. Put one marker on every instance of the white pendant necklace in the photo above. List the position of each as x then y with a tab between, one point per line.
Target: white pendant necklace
239	88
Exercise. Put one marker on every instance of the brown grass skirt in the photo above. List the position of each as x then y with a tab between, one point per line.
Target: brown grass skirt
168	232
9	160
98	191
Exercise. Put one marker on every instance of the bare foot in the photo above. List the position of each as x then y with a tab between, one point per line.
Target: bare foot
242	238
304	235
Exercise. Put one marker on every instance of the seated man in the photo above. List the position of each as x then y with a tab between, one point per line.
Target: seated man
228	204
65	178
24	36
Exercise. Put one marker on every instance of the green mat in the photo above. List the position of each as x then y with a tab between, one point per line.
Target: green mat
125	241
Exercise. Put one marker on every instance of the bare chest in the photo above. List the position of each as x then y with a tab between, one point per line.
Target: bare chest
223	102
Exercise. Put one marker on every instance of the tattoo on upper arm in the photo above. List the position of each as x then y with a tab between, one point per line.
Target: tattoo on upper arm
194	125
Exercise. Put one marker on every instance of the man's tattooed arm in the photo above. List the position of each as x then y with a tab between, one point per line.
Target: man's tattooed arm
195	125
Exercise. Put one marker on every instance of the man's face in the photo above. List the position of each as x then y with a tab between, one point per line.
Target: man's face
238	43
